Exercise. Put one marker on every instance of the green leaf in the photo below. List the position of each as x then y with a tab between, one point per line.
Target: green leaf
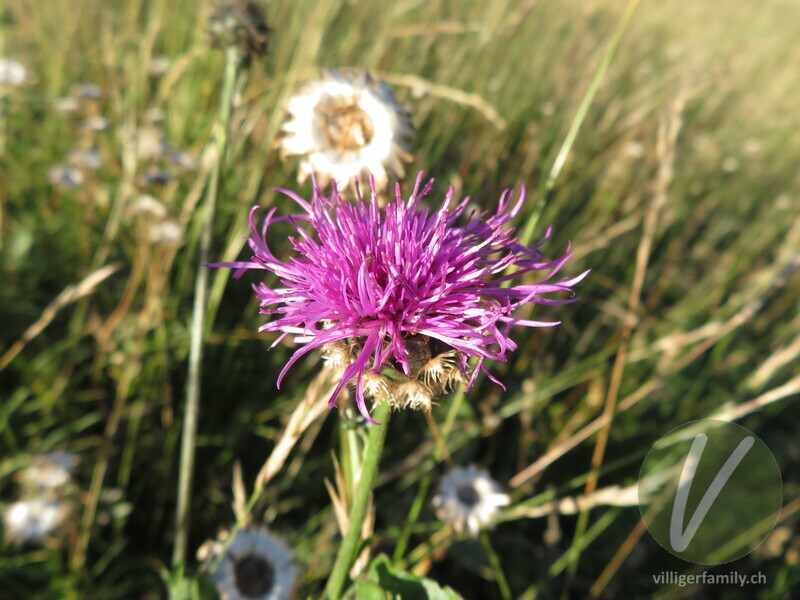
365	589
406	586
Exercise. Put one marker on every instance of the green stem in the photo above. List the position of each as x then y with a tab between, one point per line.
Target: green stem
358	510
189	441
494	560
452	413
413	515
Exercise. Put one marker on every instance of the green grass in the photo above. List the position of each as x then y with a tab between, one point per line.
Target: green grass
717	324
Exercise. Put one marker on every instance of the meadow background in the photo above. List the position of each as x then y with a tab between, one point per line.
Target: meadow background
681	192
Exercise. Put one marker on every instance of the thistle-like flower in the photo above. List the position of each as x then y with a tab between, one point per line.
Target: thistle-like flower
257	565
400	298
469	499
344	126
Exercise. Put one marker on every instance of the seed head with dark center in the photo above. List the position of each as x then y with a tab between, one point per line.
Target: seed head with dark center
254	576
468	495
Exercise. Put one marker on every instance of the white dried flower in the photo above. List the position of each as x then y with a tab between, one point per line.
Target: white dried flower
256	566
344	126
159	66
150	206
96	123
86	159
89	91
149	143
66	105
12	72
167	232
182	160
65	177
35	520
48	471
468	499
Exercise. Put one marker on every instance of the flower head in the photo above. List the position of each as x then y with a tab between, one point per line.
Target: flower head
87	91
65	177
50	471
257	565
12	72
240	23
401	297
36	519
468	499
347	125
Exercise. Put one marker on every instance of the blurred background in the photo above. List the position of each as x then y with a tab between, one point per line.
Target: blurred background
680	191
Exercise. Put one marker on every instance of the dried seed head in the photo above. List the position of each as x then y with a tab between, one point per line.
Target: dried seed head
87	159
36	520
65	177
12	72
149	143
158	66
240	23
469	500
48	472
256	565
88	91
166	233
66	105
96	123
347	125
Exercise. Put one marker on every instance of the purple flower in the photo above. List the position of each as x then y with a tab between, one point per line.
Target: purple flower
382	279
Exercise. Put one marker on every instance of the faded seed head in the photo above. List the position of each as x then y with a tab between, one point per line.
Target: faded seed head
240	23
346	126
254	576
